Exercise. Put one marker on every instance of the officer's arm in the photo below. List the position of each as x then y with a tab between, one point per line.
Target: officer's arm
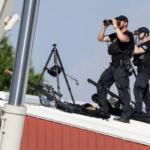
138	50
101	36
122	37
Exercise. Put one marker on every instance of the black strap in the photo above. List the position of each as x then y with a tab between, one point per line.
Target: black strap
108	42
77	82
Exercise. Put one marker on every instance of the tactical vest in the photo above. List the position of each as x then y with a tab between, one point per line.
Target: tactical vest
113	48
139	58
147	56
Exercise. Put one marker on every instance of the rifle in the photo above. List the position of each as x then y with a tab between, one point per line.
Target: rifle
43	89
108	91
133	70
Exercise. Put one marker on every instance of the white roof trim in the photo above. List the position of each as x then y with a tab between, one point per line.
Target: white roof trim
135	131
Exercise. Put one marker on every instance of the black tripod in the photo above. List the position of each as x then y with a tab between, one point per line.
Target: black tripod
56	55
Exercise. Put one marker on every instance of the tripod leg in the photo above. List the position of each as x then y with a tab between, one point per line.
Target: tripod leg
56	64
44	69
65	76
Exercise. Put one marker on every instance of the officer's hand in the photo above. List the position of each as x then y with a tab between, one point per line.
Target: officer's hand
114	22
135	39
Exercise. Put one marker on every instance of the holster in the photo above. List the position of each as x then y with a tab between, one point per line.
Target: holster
127	64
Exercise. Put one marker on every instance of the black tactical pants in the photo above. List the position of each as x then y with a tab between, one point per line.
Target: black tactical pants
141	91
120	77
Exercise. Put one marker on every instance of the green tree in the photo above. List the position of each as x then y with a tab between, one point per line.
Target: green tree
33	77
6	61
7	58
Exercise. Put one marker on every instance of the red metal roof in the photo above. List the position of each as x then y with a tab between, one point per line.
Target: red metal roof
135	132
41	134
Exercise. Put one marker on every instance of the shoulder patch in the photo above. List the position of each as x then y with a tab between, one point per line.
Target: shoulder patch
145	47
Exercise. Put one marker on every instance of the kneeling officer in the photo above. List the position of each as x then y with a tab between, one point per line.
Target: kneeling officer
142	61
118	72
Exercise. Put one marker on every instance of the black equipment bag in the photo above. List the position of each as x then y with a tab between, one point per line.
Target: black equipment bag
81	109
52	70
140	116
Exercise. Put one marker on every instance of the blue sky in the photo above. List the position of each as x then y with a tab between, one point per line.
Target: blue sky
74	27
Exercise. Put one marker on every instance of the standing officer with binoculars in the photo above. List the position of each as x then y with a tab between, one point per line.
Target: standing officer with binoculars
118	73
142	61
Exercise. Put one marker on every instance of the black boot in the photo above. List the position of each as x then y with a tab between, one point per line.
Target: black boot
104	113
125	120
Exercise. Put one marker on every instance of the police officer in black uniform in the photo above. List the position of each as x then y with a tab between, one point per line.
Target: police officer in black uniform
142	61
118	73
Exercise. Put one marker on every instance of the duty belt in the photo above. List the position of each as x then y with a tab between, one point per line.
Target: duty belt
143	69
122	64
119	63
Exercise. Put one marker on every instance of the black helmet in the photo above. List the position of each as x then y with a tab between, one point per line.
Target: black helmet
144	29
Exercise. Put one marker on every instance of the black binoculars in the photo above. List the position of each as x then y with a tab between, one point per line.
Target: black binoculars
107	22
141	30
136	32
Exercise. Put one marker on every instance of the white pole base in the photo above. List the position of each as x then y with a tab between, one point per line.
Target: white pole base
12	127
